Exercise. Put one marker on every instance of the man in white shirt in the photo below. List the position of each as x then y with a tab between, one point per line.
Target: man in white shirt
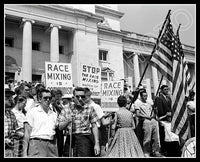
103	119
43	122
143	109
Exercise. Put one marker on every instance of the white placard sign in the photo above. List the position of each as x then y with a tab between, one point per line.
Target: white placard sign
91	78
58	75
111	90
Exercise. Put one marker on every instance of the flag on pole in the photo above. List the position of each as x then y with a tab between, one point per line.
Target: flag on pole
190	80
162	55
180	87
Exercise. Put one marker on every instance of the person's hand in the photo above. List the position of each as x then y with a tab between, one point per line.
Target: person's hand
169	113
96	149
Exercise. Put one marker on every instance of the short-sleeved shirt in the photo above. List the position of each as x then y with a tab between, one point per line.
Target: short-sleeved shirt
82	119
98	110
144	108
11	124
43	124
21	118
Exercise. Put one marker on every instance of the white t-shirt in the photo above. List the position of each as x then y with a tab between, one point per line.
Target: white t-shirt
145	108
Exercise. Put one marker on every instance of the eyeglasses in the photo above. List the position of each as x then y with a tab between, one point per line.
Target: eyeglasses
82	96
47	97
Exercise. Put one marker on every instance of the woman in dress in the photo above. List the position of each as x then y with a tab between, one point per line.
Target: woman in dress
125	142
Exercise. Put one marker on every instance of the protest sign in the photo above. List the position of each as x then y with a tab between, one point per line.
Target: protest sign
58	76
91	78
111	90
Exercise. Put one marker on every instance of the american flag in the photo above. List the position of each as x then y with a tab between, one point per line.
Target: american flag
181	76
162	55
169	60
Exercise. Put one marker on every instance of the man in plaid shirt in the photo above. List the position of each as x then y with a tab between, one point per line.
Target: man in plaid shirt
77	118
10	125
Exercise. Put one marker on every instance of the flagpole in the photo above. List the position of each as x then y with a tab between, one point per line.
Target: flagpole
168	14
154	48
159	85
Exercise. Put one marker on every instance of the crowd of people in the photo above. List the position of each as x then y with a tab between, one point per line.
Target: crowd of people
47	123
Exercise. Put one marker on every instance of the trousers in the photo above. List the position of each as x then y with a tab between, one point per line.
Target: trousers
82	146
42	148
151	137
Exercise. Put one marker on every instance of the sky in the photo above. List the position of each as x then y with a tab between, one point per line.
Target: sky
147	19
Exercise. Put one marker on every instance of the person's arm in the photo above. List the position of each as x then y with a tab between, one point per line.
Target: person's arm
138	114
113	126
27	133
63	120
95	132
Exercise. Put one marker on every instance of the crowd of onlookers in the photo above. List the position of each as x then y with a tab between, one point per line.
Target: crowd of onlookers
42	122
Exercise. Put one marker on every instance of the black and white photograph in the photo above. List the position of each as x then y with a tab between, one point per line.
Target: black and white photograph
100	81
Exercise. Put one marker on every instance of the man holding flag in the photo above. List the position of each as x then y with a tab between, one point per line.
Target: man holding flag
167	56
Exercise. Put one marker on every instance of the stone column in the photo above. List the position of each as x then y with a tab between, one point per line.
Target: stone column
155	79
54	43
148	85
27	50
136	69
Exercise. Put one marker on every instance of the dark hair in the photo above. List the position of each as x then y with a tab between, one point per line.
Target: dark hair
142	91
122	101
163	86
78	89
87	90
59	92
191	94
19	98
55	92
42	90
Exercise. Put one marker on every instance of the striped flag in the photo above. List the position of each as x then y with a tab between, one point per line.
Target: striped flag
162	55
190	80
180	79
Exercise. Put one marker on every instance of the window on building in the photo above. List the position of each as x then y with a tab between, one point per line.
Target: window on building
103	55
9	42
61	49
36	46
104	76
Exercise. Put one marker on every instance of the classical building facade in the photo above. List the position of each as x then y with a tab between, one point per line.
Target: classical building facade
78	34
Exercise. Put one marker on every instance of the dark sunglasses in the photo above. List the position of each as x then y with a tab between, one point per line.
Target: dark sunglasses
82	96
45	98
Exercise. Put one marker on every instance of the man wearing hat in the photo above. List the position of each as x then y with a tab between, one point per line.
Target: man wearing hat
10	124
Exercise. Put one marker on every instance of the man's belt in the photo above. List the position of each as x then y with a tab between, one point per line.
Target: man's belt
41	139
